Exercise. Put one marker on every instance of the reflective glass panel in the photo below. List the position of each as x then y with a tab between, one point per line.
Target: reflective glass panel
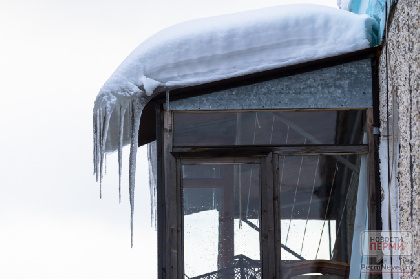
221	206
322	198
268	128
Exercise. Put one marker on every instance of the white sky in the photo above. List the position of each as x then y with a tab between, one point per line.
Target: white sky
54	57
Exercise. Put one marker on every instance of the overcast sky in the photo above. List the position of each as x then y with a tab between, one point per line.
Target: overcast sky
54	57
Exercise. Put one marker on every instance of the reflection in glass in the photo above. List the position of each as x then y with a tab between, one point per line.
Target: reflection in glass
318	196
268	128
221	221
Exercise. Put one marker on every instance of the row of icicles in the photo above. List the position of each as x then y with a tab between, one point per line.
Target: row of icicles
101	123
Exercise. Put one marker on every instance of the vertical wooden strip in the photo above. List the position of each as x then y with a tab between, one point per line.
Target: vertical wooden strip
227	225
180	219
267	234
270	217
263	219
161	205
170	201
277	214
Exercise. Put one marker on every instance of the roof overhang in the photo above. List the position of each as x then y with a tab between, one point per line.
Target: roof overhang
147	132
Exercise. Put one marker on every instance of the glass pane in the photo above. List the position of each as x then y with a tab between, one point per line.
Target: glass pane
221	221
318	197
268	128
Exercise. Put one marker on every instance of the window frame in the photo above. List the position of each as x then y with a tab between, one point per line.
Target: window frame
170	221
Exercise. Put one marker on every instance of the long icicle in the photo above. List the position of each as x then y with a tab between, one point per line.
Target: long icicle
152	183
94	143
97	144
120	143
104	134
135	122
101	133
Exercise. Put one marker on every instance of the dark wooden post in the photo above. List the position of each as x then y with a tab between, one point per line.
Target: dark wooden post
226	223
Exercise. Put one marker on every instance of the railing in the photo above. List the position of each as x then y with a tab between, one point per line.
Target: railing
241	267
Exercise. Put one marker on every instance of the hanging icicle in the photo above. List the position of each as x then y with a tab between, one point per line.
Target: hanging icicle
95	146
120	144
102	124
136	110
152	158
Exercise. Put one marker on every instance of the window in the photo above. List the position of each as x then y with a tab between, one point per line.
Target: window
221	211
309	206
251	191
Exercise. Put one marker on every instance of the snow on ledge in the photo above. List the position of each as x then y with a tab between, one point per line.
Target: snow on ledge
210	49
344	4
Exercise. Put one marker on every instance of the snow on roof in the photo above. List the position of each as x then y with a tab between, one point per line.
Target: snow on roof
378	9
210	49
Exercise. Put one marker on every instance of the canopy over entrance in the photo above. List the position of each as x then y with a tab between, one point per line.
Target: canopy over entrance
207	51
219	48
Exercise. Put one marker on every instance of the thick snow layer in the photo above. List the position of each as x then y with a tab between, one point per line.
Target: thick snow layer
211	49
377	9
343	4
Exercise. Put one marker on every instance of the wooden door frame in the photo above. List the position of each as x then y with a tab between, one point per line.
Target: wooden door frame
169	199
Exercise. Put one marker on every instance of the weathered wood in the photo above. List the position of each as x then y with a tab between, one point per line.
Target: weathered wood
322	150
315	266
277	214
270	250
211	152
255	151
161	205
220	160
264	243
180	220
171	201
226	223
170	222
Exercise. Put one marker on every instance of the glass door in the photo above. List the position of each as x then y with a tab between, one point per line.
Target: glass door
221	220
323	206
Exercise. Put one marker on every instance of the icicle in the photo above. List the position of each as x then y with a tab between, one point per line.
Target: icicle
135	122
102	149
94	142
101	131
97	145
151	154
120	143
149	158
104	128
101	127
